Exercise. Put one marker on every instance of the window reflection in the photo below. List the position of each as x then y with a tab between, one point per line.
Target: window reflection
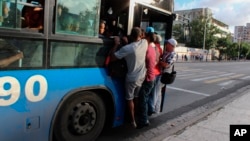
78	55
77	17
10	16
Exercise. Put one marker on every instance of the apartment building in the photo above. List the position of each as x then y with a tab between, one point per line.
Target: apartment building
191	14
242	33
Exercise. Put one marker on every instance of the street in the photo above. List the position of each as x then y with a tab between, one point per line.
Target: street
196	81
196	84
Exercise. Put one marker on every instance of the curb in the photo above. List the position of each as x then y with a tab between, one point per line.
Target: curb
179	124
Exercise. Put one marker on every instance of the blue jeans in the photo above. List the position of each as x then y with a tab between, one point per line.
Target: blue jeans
153	96
145	90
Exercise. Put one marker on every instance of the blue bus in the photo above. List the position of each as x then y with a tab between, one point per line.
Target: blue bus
54	85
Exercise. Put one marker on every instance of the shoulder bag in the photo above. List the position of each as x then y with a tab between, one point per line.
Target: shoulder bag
168	78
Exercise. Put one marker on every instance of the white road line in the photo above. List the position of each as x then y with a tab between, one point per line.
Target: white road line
191	70
180	75
195	75
226	83
210	77
193	92
246	77
223	78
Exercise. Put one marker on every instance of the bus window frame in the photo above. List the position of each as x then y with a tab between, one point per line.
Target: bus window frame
25	33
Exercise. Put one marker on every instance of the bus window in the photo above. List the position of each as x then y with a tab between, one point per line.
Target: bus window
77	18
32	53
160	30
78	55
10	14
115	14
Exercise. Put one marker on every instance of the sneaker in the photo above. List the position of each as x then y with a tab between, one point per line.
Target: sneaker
134	124
151	113
143	125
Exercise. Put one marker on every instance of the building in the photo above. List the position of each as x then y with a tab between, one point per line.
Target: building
242	33
186	16
192	14
224	28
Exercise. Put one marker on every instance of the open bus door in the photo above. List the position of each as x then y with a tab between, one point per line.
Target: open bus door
160	19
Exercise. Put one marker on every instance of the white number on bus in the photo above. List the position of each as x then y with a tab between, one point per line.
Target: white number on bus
10	87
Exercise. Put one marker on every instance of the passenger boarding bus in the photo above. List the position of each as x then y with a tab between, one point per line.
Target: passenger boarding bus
54	85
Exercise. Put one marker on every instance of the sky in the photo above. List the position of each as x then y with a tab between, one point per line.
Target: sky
230	12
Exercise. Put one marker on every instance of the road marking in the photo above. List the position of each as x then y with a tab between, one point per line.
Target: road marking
193	92
224	78
246	77
181	75
195	75
226	83
192	70
210	77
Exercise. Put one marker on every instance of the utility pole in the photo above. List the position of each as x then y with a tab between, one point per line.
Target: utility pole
204	39
239	49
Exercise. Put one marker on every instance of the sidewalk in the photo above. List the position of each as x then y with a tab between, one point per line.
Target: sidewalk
216	126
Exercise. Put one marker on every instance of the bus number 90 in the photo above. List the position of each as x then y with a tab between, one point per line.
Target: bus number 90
10	89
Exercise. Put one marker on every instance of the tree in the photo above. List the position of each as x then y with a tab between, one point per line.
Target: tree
232	51
223	44
197	33
178	33
245	50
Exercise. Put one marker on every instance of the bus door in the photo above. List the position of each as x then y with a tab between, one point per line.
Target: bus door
161	20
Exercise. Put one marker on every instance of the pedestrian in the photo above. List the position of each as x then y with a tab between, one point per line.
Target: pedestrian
185	56
134	55
168	57
148	83
166	64
102	27
153	106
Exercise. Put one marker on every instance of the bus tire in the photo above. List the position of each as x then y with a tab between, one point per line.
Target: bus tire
81	118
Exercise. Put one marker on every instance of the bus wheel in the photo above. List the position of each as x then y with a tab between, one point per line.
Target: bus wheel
81	117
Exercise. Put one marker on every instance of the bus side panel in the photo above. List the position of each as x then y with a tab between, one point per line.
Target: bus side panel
28	99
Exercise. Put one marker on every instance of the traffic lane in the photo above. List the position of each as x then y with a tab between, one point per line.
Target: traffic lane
176	98
184	92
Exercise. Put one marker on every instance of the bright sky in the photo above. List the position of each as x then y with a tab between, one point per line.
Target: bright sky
230	12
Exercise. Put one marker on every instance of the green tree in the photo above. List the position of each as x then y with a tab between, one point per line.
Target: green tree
223	45
178	33
197	33
245	50
232	51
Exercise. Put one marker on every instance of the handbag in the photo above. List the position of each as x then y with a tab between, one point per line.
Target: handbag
168	78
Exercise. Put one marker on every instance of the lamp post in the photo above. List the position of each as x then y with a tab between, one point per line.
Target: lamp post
204	39
239	47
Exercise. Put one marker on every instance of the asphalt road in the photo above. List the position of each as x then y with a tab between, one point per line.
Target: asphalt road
197	83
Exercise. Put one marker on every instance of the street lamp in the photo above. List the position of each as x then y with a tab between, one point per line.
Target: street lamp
239	46
204	39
